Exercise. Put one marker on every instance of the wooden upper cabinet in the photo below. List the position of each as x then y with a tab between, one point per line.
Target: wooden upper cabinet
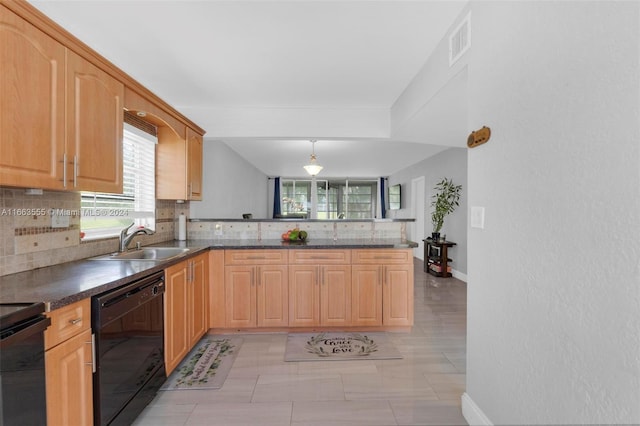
45	142
61	114
194	166
32	94
94	126
179	165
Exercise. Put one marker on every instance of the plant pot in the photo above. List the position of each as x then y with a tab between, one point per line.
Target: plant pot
435	236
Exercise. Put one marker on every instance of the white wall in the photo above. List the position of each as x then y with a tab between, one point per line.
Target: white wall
452	164
553	278
231	185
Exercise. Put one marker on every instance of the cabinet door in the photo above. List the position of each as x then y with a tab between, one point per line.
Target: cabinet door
366	296
199	299
176	337
32	93
94	126
69	376
240	296
179	165
335	295
304	296
194	165
272	296
217	309
397	296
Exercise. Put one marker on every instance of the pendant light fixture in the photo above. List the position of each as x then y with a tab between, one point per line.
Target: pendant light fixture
313	168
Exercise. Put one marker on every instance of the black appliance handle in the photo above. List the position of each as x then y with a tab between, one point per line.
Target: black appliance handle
24	330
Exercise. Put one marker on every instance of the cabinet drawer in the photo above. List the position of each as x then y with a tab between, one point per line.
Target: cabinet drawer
324	257
255	257
68	321
386	256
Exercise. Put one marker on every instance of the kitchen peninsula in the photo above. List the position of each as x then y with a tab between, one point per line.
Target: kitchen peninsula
367	259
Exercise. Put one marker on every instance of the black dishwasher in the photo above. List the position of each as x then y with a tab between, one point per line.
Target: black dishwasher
128	323
22	377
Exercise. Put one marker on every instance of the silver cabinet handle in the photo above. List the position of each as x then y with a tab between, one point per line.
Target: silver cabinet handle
93	353
75	321
75	171
64	170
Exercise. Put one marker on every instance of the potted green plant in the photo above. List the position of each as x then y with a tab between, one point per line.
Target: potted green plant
444	201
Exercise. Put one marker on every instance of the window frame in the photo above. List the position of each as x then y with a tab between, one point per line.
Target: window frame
112	207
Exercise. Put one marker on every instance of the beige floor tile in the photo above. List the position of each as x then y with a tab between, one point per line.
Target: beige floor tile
447	386
417	366
427	413
320	387
342	413
241	414
382	387
161	414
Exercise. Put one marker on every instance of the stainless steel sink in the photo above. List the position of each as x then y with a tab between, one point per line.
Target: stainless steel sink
146	253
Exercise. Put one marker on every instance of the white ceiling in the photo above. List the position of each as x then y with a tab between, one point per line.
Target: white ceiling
208	56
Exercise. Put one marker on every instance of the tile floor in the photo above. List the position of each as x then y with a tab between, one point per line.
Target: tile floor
423	388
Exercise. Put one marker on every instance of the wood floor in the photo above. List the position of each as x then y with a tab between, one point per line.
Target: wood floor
423	388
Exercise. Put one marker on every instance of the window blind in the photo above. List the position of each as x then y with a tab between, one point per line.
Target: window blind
106	214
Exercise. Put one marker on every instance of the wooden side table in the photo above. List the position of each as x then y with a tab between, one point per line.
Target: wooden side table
436	257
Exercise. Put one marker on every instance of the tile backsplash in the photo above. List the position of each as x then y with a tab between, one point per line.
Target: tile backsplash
268	229
28	240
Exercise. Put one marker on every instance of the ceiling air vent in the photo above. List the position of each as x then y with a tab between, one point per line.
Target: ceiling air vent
460	40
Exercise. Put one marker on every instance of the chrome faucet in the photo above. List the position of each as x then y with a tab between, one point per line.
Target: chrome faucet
125	239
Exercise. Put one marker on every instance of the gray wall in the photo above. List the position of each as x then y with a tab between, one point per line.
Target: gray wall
451	164
232	186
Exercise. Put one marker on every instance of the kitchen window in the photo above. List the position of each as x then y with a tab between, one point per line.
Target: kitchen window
337	198
105	215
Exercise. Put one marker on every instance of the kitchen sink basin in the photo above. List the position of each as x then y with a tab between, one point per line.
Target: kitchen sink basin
146	253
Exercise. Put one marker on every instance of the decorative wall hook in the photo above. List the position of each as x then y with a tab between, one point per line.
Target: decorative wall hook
479	137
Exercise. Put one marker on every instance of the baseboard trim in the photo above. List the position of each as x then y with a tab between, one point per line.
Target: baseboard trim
459	275
472	413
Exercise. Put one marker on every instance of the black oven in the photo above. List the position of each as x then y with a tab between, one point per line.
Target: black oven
22	377
128	323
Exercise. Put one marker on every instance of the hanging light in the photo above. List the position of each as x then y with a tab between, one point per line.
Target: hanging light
313	168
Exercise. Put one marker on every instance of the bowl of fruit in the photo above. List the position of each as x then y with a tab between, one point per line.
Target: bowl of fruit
295	235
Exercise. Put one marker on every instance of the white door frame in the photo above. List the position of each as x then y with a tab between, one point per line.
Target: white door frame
418	212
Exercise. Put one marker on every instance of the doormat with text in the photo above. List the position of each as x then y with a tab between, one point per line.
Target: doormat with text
339	346
206	366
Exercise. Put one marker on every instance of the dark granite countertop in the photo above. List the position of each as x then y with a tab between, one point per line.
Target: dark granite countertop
66	283
308	244
300	219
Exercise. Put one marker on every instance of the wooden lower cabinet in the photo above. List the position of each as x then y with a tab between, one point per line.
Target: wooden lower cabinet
319	295
256	296
383	287
199	299
366	295
397	295
69	374
69	365
326	288
186	313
